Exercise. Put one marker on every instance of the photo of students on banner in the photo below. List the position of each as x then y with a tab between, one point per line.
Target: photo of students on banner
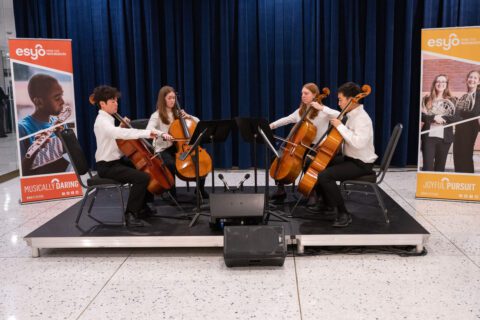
438	109
450	119
466	134
44	107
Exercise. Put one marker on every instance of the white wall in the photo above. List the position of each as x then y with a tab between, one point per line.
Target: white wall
7	30
7	22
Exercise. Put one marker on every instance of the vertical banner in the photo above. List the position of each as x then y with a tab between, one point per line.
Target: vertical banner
42	75
449	142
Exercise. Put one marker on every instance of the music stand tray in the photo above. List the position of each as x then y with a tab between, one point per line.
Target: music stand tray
257	130
209	131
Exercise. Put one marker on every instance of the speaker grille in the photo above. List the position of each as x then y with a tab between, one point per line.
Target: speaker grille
254	245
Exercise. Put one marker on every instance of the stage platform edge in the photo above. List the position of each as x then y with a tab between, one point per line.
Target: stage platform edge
368	229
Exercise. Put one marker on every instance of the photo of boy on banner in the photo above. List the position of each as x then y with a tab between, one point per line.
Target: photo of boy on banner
41	150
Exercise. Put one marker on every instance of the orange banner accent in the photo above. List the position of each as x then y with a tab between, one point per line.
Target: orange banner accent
50	187
463	43
51	53
448	186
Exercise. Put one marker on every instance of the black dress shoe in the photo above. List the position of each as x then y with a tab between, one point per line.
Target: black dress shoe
132	220
320	208
279	195
147	212
343	220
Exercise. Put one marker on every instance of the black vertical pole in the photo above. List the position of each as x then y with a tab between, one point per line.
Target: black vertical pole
255	159
213	164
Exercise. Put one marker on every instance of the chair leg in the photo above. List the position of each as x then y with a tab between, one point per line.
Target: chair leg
343	188
119	188
80	210
93	200
381	202
175	200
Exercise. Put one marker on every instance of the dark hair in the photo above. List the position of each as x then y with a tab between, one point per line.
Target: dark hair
40	84
105	93
349	89
162	105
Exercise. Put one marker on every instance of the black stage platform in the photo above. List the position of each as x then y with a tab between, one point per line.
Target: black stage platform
171	227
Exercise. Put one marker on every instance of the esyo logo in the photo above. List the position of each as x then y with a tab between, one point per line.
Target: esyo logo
38	51
445	44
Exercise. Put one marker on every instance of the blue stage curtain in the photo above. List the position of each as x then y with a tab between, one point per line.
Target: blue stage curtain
246	58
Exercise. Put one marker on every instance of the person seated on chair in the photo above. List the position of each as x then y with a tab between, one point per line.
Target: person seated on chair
319	117
358	154
161	120
111	162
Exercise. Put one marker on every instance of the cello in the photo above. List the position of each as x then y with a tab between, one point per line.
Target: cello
288	166
139	152
327	149
181	130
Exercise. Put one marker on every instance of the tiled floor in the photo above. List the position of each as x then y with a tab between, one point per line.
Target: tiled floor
196	284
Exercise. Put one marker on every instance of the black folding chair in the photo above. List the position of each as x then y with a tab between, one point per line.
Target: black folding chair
139	123
374	179
94	183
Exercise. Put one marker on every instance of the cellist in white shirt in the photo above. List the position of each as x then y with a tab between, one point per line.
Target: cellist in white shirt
357	159
111	163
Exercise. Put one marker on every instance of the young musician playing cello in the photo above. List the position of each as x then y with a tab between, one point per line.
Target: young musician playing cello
358	153
161	120
319	117
110	161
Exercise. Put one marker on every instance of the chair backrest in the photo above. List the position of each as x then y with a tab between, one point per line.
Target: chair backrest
75	152
389	151
139	123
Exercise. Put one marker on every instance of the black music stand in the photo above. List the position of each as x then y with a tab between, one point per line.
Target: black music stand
210	131
217	131
257	130
249	131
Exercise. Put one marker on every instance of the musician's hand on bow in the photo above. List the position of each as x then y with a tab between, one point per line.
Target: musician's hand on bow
166	137
439	119
125	120
335	122
185	115
154	134
317	105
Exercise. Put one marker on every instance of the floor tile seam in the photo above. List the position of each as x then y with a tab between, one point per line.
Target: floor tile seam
435	227
451	242
298	286
106	283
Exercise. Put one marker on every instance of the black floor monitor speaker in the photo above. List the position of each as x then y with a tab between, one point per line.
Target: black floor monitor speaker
254	246
236	206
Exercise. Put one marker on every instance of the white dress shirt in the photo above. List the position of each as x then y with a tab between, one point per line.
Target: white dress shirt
106	133
156	123
358	135
321	121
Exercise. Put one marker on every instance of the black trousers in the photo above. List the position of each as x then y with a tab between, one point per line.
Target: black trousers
168	157
435	152
340	169
465	136
123	171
